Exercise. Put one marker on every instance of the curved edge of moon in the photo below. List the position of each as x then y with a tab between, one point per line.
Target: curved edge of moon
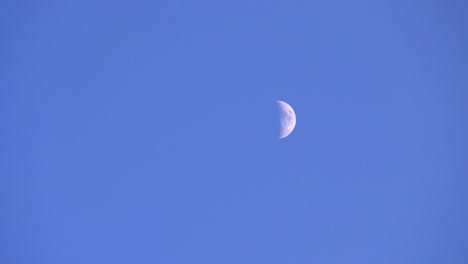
287	119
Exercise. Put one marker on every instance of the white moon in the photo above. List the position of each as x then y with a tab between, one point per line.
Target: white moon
287	119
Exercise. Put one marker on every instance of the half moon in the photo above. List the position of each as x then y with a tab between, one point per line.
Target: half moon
287	119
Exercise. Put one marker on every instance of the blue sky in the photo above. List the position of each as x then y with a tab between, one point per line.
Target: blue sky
147	132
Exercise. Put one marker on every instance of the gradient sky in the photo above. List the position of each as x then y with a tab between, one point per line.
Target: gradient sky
146	132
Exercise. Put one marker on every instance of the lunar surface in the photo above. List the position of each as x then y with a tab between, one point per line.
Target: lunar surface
287	119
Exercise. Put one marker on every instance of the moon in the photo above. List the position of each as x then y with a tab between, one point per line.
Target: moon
287	119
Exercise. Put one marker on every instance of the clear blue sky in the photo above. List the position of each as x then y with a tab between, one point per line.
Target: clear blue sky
145	132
